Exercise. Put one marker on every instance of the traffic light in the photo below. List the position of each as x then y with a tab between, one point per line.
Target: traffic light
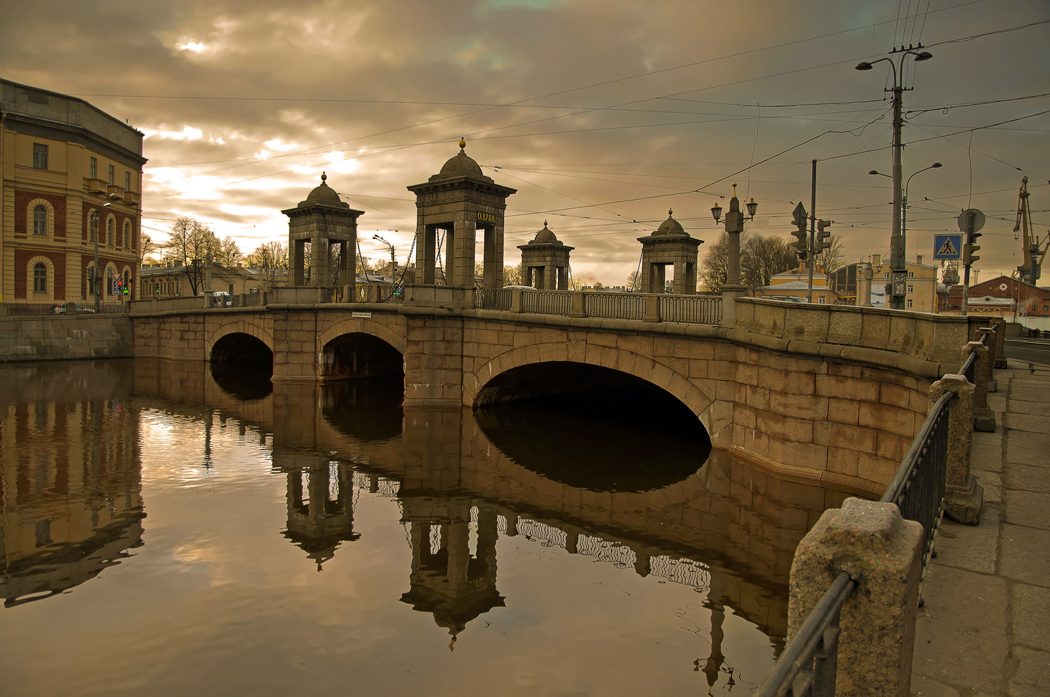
799	218
969	248
822	235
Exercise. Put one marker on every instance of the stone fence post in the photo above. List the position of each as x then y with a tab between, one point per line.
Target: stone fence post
882	552
989	336
515	300
578	305
651	313
963	495
983	418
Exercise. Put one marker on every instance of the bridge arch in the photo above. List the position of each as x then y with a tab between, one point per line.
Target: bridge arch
251	327
364	326
645	368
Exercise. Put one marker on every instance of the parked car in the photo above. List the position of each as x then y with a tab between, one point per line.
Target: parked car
61	309
221	298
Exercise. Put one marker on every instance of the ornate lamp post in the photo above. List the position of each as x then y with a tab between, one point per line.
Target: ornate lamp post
734	225
898	274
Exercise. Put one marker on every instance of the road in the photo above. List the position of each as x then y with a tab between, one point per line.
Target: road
1030	350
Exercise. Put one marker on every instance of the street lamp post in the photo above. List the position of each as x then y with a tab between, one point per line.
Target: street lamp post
898	274
904	204
96	281
734	226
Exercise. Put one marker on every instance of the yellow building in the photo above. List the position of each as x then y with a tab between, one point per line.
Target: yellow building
70	192
921	293
794	285
168	280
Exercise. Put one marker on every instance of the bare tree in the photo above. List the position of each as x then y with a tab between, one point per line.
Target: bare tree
146	247
512	275
634	281
271	258
229	254
714	268
830	260
192	245
763	257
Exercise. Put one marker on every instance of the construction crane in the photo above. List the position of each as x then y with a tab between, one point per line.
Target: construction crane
1032	248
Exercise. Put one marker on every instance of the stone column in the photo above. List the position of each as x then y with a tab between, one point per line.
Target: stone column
864	285
882	552
963	495
983	418
651	313
989	337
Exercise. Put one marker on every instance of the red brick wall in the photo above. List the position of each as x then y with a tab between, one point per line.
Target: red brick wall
22	222
58	260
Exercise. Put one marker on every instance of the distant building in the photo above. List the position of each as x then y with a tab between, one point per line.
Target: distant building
1028	305
168	280
70	176
923	293
794	285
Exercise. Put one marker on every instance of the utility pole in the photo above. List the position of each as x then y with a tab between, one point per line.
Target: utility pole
812	229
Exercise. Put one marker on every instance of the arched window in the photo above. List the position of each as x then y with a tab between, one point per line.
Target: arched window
39	278
39	220
111	231
109	281
129	240
92	226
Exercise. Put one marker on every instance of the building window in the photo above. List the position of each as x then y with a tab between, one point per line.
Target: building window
1046	308
39	220
911	274
111	232
39	278
909	303
39	156
128	237
94	168
112	174
887	274
127	181
93	226
911	289
109	281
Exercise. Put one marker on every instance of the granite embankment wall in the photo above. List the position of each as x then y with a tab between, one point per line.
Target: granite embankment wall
51	338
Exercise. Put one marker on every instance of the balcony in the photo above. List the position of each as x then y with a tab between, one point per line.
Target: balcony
97	186
115	192
131	198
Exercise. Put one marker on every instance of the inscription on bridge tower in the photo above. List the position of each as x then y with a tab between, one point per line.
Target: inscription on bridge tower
452	207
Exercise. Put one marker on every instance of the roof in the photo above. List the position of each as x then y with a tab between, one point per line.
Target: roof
792	285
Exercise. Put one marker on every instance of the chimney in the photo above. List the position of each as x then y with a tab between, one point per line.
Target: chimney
918	258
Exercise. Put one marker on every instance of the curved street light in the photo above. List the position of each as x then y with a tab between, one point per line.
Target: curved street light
896	239
904	204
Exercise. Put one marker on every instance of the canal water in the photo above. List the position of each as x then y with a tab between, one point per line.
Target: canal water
167	531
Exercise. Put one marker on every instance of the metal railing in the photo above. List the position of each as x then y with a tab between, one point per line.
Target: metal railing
808	665
695	309
618	305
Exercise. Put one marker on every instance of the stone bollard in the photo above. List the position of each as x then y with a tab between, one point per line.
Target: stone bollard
882	552
983	418
963	495
989	337
578	304
729	295
515	299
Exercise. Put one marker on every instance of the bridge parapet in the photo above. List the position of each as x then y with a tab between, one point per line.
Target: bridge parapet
917	342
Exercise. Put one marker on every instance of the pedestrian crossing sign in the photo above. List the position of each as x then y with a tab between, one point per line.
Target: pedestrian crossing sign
947	246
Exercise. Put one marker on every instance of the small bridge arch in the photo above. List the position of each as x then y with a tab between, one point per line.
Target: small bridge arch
360	347
253	326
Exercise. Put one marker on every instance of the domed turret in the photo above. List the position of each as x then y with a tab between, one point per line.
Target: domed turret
545	236
461	165
670	227
323	194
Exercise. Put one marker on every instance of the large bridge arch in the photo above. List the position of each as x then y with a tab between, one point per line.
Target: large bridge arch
252	326
646	368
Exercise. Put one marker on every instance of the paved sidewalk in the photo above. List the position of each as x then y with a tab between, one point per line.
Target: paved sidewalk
985	627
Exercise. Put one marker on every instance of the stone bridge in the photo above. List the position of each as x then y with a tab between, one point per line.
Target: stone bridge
834	394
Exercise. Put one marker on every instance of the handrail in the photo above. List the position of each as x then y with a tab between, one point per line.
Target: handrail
809	664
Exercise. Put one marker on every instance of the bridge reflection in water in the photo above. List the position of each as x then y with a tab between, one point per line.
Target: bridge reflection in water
467	486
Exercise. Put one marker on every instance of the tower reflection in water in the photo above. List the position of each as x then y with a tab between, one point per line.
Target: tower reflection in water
70	477
468	488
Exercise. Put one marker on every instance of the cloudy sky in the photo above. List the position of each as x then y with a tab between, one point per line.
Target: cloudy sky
603	114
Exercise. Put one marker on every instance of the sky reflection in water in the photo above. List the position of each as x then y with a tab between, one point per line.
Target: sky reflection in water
161	536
